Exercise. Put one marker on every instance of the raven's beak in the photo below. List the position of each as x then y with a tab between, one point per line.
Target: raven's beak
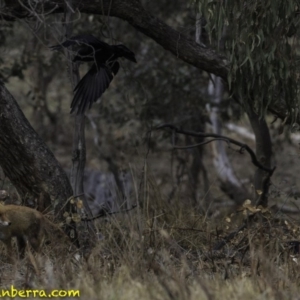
131	57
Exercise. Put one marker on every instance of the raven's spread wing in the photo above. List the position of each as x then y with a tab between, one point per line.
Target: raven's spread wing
92	86
105	66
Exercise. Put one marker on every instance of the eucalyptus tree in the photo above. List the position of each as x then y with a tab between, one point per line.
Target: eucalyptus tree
261	46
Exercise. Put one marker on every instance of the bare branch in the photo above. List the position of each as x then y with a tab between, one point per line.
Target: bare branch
223	138
199	144
104	213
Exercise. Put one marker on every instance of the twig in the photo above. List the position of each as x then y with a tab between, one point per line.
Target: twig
230	236
199	144
104	213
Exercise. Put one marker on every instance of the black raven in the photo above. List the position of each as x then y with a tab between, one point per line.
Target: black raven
105	57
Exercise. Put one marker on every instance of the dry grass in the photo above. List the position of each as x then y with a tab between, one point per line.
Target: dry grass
163	251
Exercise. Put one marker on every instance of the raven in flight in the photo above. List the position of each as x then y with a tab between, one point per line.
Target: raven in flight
105	66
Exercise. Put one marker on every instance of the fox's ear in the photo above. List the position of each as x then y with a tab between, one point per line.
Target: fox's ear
3	217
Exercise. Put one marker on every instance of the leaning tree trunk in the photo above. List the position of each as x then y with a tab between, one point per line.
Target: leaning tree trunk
29	164
264	155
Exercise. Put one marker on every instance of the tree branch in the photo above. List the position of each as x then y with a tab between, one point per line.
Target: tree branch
223	138
181	45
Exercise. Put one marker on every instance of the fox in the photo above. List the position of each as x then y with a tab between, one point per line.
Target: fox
28	225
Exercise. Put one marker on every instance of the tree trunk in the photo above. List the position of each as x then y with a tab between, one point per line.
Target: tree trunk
230	183
263	154
29	164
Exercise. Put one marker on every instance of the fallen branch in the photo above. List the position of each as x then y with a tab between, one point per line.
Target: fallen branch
104	212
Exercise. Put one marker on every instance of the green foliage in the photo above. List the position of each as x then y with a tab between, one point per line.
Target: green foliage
260	42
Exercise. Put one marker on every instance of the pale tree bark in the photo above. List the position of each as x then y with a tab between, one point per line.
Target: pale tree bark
244	132
230	183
